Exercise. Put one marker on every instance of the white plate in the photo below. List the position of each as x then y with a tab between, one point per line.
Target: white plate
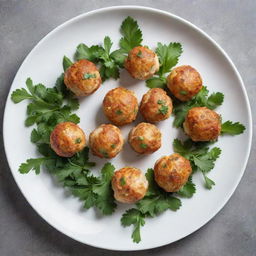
64	212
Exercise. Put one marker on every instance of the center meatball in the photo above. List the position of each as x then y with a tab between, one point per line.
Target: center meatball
172	172
106	141
82	78
184	82
202	124
145	138
129	185
120	106
67	139
142	63
156	105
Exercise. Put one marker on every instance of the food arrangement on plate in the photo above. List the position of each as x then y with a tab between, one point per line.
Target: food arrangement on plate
62	143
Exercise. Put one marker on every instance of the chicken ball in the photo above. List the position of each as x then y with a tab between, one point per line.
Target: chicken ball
106	141
120	106
202	124
82	78
67	139
142	63
145	138
129	185
156	105
184	82
172	172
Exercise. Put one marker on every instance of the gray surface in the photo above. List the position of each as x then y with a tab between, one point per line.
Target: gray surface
231	23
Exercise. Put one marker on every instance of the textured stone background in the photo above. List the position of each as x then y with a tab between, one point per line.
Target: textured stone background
232	23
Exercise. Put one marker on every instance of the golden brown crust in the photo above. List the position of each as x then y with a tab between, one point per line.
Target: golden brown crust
153	102
106	141
129	185
145	138
142	63
67	139
184	82
172	172
76	81
120	106
202	124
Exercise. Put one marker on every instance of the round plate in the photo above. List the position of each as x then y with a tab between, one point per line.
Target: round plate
64	212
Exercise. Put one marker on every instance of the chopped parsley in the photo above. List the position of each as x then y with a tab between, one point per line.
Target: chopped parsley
143	145
163	110
89	76
161	102
113	146
119	112
139	54
104	153
122	181
78	140
183	92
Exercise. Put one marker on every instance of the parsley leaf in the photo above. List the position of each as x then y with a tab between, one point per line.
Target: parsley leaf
201	157
20	95
134	217
132	35
168	56
156	82
200	100
232	128
92	53
188	189
105	199
32	164
66	63
157	200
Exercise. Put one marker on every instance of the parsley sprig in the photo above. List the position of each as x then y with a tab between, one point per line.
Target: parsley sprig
168	56
132	35
200	100
154	203
48	107
201	157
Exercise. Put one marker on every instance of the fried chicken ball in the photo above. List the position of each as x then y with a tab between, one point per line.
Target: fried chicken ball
67	139
184	82
142	63
145	138
106	141
129	185
156	105
82	78
172	172
202	124
120	106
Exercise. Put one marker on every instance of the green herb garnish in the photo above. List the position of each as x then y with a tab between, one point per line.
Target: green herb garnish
119	112
122	181
78	140
143	145
89	76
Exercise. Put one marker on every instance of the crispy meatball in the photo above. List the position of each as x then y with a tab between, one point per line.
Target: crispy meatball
106	141
156	105
184	82
202	124
67	139
82	78
145	138
142	63
120	106
129	185
172	172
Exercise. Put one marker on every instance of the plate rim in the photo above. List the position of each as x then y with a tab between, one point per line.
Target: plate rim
182	20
